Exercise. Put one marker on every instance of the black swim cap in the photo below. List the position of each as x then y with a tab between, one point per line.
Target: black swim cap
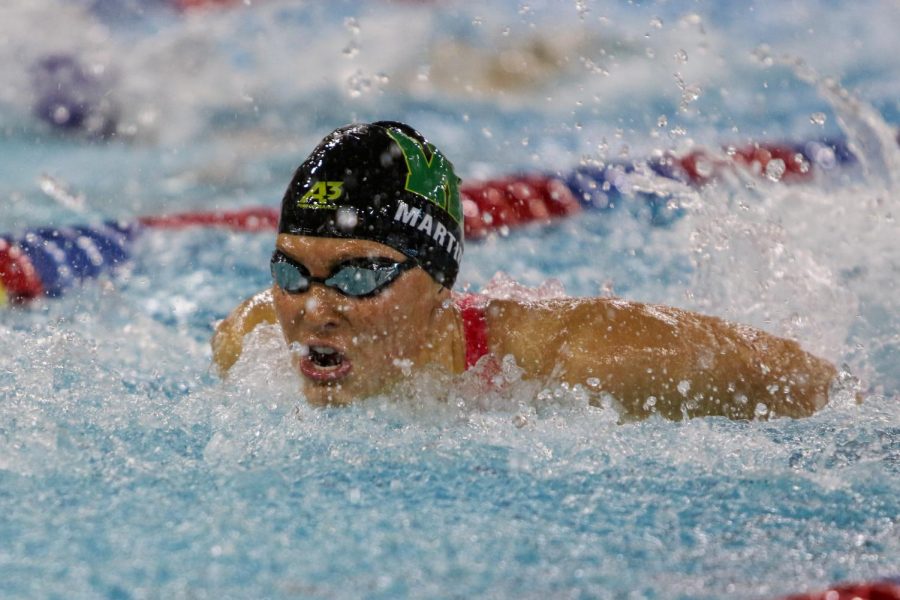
383	182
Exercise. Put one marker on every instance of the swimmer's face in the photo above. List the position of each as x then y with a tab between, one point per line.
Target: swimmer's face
344	347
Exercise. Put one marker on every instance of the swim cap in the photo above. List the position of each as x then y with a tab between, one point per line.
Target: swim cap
383	182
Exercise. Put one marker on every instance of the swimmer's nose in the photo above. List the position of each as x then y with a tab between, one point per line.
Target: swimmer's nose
320	308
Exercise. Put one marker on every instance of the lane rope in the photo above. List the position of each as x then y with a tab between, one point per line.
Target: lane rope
48	261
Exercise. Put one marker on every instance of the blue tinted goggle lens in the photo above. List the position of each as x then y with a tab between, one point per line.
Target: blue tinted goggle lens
355	277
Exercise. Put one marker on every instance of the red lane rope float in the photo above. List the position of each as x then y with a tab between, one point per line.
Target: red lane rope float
510	202
785	163
882	590
19	280
250	220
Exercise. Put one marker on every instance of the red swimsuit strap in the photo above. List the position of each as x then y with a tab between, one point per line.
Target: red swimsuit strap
474	326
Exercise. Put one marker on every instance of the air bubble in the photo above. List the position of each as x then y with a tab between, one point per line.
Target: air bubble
818	118
681	56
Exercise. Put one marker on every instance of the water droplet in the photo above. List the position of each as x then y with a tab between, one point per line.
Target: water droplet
656	23
351	50
692	19
704	168
775	169
817	118
405	365
763	55
690	94
582	8
761	410
801	162
684	387
357	84
298	348
662	121
61	115
346	218
519	421
681	56
352	25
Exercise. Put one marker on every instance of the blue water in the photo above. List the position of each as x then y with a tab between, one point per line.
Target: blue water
128	469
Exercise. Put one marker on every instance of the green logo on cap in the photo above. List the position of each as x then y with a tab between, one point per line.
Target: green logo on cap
430	174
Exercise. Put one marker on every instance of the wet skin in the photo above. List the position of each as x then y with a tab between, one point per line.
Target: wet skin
688	364
345	347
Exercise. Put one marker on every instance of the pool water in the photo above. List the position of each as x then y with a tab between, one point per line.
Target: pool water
128	469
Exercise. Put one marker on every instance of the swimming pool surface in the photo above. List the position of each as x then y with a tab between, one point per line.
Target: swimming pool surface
128	469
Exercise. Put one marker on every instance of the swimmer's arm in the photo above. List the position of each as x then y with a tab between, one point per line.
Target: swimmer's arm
228	339
667	361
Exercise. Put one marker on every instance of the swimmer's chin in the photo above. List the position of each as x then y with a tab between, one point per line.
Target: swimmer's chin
323	395
324	398
333	394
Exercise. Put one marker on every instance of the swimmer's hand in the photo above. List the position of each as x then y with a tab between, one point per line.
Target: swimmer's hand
228	339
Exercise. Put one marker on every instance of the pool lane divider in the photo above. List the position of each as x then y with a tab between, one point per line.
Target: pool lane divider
48	261
888	589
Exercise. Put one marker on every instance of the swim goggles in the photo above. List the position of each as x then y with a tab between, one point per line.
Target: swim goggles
356	277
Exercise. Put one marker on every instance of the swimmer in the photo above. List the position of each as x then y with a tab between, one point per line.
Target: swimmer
368	249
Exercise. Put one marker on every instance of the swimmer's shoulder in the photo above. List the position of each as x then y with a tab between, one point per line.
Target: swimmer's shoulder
228	339
546	317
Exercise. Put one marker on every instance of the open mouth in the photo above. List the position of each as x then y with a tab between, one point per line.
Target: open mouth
323	364
323	356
